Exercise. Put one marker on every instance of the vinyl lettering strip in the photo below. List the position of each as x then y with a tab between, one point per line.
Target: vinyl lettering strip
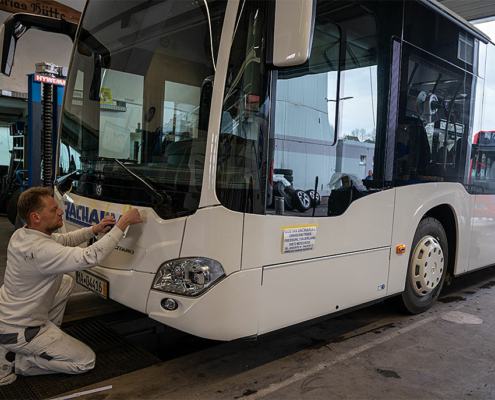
71	396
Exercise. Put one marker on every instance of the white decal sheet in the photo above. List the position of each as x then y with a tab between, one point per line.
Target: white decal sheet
298	238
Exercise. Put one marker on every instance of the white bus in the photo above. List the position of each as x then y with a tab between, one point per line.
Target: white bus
291	158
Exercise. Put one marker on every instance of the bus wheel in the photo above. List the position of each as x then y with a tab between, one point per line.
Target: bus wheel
427	266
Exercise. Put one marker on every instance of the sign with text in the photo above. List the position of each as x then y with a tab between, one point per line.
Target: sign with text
46	8
298	238
49	79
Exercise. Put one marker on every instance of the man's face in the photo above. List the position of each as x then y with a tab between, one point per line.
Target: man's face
51	215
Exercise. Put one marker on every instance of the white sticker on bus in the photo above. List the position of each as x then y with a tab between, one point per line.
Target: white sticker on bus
298	238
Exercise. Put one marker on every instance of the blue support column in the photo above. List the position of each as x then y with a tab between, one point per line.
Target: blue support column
34	153
34	132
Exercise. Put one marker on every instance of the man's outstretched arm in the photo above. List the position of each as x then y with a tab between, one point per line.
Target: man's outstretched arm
55	258
82	235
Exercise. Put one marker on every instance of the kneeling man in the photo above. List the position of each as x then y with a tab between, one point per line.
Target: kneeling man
36	289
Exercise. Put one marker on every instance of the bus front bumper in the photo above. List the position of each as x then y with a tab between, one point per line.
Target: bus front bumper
229	310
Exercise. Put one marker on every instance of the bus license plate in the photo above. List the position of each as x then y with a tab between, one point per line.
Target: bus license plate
93	283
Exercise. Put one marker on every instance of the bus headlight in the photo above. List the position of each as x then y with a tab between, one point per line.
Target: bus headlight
188	276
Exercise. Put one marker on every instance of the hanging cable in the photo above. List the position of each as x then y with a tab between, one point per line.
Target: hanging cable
238	21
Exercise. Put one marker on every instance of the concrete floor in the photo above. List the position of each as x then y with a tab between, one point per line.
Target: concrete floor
373	353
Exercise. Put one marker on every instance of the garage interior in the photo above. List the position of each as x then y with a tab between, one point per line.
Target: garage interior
374	352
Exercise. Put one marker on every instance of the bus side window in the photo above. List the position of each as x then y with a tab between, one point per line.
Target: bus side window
435	120
309	143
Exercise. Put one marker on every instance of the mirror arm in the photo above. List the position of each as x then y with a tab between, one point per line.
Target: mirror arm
17	24
46	24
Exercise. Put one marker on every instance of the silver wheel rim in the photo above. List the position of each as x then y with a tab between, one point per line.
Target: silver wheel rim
427	264
305	199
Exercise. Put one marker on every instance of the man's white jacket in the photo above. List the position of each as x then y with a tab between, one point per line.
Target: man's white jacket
36	263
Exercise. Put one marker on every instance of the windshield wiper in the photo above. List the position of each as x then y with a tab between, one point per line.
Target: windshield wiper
61	180
159	199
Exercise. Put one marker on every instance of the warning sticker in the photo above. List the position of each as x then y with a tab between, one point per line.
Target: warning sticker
298	238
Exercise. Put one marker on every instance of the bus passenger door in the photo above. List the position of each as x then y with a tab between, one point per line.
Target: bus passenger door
320	228
329	248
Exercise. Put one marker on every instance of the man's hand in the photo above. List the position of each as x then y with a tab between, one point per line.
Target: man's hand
104	226
130	217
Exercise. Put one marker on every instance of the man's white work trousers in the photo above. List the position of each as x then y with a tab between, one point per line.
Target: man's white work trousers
46	349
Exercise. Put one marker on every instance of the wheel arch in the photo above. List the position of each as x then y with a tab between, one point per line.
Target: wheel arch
445	214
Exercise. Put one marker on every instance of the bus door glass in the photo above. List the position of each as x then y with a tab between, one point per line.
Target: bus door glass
435	123
320	131
325	135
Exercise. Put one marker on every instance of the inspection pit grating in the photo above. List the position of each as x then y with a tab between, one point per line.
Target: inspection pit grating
115	356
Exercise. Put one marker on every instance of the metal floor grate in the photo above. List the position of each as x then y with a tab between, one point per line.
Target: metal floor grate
115	356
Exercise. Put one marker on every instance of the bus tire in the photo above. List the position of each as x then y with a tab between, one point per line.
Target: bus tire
12	207
427	266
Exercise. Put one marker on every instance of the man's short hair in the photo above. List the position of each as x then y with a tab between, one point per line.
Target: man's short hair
31	201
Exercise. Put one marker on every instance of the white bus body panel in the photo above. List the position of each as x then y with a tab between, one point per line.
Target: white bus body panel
155	239
208	190
309	289
144	248
130	288
365	225
348	265
412	203
483	236
230	310
215	233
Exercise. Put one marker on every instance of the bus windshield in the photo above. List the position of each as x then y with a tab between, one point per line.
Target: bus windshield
136	104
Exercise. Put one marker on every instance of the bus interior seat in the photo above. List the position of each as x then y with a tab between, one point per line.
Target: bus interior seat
422	154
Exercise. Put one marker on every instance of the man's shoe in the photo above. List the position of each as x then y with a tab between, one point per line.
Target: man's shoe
7	374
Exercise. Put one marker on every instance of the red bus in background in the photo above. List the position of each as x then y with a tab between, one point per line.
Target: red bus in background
482	174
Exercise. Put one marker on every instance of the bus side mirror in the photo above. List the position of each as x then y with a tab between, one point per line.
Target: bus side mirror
293	32
8	41
17	24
